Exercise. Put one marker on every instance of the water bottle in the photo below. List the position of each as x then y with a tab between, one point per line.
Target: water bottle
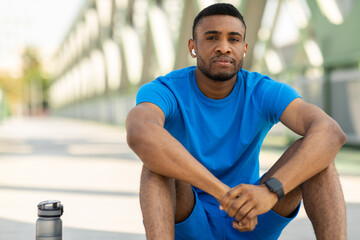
49	224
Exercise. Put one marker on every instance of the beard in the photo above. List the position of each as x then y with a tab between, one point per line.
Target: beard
218	76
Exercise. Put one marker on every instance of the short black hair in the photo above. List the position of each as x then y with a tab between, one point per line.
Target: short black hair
218	9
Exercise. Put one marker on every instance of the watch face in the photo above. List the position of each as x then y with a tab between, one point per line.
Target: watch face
275	186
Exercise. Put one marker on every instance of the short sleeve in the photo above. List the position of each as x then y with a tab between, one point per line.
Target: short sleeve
273	97
157	93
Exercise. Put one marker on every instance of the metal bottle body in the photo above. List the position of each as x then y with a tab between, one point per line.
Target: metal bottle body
49	224
49	228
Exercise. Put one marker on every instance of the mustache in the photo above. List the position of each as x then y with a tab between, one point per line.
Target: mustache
222	57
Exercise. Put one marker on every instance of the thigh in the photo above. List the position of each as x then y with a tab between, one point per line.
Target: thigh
185	201
196	226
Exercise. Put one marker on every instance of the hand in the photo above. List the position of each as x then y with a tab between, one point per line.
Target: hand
245	202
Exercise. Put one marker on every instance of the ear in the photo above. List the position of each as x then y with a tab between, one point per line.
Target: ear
192	46
245	48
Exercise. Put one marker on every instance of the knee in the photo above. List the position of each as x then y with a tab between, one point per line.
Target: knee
146	173
148	176
331	167
330	171
327	177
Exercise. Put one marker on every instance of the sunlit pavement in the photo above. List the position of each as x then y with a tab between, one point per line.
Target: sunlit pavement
89	167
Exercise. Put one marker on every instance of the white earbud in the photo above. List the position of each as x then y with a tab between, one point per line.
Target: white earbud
193	52
244	55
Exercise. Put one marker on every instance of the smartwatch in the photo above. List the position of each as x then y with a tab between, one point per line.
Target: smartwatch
275	186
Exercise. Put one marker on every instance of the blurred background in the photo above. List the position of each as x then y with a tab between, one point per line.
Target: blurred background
85	59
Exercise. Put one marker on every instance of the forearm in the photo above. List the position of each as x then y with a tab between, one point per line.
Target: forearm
316	151
163	154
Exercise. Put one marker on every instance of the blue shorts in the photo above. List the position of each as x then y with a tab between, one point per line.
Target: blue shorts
208	222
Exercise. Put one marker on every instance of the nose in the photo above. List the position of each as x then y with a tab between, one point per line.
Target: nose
223	48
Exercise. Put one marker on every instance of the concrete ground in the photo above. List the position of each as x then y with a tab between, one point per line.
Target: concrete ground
89	167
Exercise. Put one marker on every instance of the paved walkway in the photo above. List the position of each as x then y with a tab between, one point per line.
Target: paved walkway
89	167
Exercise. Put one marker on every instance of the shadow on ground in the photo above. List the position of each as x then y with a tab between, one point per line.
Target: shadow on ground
16	230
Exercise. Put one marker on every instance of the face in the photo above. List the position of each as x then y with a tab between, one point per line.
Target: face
219	46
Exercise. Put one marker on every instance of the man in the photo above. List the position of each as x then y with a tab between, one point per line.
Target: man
199	132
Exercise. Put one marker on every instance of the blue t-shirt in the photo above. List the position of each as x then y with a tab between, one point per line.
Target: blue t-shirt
224	135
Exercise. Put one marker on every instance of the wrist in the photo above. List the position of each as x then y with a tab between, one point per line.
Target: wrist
220	193
272	195
276	187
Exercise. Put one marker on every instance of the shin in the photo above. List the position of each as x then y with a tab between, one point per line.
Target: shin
325	205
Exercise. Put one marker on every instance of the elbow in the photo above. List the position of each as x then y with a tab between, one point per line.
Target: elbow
339	139
340	135
141	143
134	137
142	125
337	134
138	137
138	143
133	132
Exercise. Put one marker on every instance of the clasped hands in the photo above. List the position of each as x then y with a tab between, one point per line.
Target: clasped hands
245	202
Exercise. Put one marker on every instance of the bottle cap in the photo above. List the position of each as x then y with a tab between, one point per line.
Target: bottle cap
50	208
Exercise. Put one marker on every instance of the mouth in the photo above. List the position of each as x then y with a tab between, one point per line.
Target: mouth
223	61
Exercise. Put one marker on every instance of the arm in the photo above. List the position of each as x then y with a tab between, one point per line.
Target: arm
163	154
322	140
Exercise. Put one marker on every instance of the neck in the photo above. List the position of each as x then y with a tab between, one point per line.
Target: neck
214	89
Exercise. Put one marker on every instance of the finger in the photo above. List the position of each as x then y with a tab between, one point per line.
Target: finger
243	226
251	219
235	206
243	211
227	199
246	224
233	193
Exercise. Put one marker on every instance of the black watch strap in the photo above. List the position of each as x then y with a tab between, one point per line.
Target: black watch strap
275	186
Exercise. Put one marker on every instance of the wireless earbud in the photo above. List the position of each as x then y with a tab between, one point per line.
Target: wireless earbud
244	55
193	52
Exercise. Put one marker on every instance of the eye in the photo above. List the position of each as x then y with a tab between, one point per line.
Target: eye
234	39
211	38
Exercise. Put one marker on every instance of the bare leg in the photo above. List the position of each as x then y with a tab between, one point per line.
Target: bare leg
325	205
323	199
163	201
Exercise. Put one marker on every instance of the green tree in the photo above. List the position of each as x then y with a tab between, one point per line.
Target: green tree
36	82
12	94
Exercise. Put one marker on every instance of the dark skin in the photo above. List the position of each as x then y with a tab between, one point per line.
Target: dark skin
224	51
219	48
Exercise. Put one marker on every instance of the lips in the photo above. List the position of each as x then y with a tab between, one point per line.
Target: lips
223	61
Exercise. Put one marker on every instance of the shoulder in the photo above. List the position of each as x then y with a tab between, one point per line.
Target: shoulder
176	77
260	84
253	79
169	80
180	73
175	82
270	97
164	91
